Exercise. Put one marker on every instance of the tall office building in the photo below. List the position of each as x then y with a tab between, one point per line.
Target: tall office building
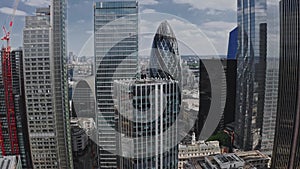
251	65
116	57
286	152
45	90
20	112
165	58
147	110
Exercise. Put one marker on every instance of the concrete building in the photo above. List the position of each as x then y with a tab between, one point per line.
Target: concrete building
46	88
116	50
196	149
225	161
255	159
10	162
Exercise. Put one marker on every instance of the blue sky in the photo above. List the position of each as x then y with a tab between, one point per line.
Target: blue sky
202	25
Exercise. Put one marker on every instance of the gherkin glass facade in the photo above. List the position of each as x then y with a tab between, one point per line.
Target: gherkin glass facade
164	58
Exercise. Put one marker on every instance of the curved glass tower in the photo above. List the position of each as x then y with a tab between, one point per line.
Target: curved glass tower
165	59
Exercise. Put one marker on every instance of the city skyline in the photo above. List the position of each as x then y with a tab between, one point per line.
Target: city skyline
177	84
215	21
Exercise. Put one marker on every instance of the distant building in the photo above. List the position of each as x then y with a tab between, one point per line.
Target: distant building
84	150
224	161
233	44
10	162
239	160
196	149
147	110
255	159
286	152
165	61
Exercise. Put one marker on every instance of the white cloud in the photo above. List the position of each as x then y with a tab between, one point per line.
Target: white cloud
210	4
9	11
218	33
148	2
37	3
148	11
81	21
89	32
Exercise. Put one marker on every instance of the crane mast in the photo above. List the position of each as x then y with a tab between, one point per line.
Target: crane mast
8	90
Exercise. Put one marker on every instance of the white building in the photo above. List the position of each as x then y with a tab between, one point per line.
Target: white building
10	162
196	149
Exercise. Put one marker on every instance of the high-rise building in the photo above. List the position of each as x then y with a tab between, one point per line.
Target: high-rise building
45	88
116	57
165	58
60	71
272	73
232	44
147	110
251	65
20	111
229	66
286	152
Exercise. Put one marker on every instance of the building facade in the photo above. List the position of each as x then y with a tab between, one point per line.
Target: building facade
272	75
147	110
286	152
233	44
251	65
165	59
16	57
196	149
116	52
47	111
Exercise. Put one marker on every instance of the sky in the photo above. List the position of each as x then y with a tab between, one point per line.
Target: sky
201	26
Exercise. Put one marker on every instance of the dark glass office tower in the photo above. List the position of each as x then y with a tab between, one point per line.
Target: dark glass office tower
286	152
20	110
251	67
116	53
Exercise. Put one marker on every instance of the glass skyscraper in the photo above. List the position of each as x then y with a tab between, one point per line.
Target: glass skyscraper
147	110
251	65
232	44
165	58
286	152
116	57
272	75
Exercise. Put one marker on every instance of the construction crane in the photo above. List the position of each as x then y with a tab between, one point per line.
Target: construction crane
8	89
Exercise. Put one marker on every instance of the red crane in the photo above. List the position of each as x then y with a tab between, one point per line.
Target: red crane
8	90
